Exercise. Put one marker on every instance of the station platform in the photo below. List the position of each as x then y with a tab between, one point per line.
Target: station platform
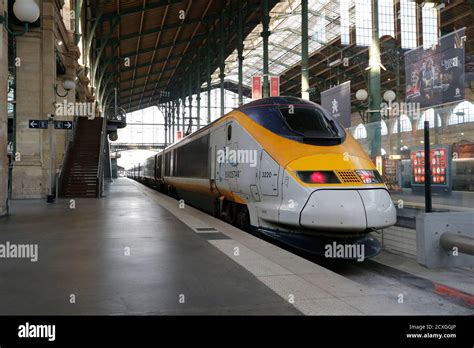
458	201
137	252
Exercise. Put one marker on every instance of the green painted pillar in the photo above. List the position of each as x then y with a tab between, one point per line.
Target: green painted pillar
175	108
183	99
265	35
374	85
208	74
166	114
222	63
178	109
240	50
304	50
77	21
198	93
397	81
190	99
4	163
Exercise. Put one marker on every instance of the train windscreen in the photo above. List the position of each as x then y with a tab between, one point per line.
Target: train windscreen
306	124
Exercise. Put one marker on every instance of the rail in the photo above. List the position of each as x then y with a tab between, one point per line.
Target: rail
100	171
463	243
70	142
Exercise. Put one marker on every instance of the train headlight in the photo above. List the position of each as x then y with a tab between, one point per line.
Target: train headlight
369	176
318	177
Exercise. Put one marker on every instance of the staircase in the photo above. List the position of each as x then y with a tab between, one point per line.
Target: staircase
79	177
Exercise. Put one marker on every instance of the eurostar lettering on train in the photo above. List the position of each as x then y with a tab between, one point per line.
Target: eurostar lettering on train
312	184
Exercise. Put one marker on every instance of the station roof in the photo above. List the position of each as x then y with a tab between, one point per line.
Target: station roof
150	50
285	47
149	46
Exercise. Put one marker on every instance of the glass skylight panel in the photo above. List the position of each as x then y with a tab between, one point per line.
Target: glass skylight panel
345	23
430	25
386	18
363	22
408	21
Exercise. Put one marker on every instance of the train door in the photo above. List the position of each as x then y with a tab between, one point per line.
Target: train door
269	172
218	143
232	171
212	165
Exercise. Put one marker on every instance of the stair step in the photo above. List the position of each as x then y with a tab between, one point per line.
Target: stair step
82	166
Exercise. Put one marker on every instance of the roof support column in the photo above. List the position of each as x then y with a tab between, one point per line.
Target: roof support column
77	21
3	117
240	50
304	51
222	63
170	121
374	85
90	37
189	130
175	108
166	114
265	35
198	93
178	109
208	73
183	98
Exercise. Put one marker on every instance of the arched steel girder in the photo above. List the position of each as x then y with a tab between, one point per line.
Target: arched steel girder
90	38
188	57
101	49
208	18
137	9
104	68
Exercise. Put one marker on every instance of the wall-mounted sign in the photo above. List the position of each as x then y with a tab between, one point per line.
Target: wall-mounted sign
63	125
337	101
392	172
38	124
256	87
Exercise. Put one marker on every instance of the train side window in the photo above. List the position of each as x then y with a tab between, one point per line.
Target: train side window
229	132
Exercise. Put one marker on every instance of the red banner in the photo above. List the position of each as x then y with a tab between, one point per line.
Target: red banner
256	87
274	86
179	135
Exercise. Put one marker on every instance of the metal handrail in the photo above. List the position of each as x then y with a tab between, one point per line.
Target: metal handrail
100	171
464	244
67	153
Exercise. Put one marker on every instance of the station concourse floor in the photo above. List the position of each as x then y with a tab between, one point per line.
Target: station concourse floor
82	252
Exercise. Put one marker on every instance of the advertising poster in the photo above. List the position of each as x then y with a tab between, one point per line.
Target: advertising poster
392	174
436	76
439	163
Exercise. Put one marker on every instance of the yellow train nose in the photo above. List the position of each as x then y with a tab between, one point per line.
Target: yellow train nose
331	161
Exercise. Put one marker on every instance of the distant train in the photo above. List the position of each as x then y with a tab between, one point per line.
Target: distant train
280	166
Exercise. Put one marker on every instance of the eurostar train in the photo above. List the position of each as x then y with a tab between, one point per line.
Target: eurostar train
282	167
